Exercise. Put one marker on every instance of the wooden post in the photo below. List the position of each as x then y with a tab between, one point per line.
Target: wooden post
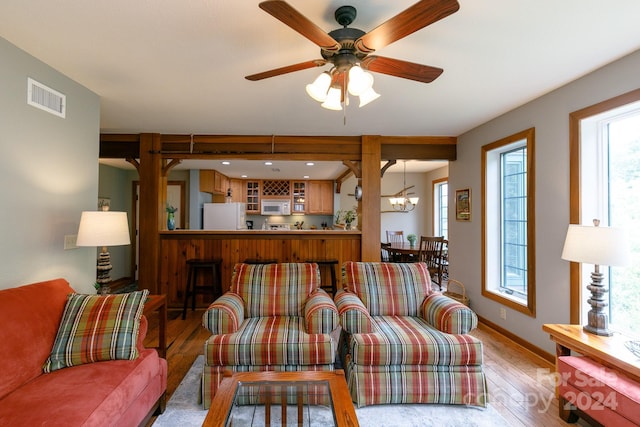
370	203
153	190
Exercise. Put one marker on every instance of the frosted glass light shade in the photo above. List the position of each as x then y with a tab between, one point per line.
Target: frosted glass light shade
368	96
333	99
596	245
103	228
360	81
318	89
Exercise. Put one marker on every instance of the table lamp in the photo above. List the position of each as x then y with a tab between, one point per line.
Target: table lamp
102	229
599	246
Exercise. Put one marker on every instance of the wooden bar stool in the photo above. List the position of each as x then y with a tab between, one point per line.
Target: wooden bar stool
260	261
195	267
328	263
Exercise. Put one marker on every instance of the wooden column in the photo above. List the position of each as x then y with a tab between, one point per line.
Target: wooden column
153	190
370	203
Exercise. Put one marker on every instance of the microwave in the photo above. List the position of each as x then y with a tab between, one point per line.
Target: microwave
275	207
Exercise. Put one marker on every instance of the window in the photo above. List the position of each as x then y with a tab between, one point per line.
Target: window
440	208
609	183
508	226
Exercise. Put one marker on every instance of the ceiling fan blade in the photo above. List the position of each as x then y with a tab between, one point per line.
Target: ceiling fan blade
282	11
418	16
404	69
288	69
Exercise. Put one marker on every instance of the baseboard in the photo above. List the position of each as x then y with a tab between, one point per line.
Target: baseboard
523	343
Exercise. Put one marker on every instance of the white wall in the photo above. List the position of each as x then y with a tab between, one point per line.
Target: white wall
549	115
48	175
419	221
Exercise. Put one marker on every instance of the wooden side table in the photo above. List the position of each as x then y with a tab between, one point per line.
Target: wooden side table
158	303
609	351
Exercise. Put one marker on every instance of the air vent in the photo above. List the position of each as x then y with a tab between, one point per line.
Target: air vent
45	98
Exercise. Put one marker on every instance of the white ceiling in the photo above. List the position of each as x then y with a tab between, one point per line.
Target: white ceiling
172	66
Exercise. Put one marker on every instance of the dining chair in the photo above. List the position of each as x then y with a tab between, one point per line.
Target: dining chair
395	237
385	252
430	252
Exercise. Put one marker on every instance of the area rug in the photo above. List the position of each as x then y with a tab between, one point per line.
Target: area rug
184	410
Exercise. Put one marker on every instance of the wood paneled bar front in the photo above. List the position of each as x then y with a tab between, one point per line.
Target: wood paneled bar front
235	246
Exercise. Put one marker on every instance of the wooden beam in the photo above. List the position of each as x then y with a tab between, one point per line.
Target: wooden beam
153	192
386	166
369	206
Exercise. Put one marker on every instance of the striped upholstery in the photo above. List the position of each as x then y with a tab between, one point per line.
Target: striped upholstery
451	385
354	316
275	317
388	289
398	343
270	341
448	315
405	343
275	289
97	328
320	313
224	315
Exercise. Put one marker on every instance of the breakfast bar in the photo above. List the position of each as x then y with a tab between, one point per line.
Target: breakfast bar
177	246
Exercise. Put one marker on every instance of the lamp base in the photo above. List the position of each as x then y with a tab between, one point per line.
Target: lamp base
597	331
104	268
597	319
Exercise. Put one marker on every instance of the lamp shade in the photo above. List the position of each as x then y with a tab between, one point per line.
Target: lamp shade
103	228
596	245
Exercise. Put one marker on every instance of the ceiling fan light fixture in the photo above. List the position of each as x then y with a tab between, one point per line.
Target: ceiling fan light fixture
320	86
334	97
368	96
360	81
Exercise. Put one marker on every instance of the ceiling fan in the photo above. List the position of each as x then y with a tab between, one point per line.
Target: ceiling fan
347	48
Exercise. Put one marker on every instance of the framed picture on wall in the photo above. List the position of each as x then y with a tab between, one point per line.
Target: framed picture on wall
104	203
463	205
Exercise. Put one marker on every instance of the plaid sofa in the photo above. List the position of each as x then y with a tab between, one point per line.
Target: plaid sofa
274	317
404	343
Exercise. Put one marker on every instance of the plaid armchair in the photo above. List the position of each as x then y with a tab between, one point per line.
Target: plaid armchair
274	317
404	343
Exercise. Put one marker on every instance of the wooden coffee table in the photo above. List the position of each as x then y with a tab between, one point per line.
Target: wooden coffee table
265	393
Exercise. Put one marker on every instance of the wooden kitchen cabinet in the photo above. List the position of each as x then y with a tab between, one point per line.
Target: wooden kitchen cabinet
237	190
299	197
220	183
319	197
252	196
212	181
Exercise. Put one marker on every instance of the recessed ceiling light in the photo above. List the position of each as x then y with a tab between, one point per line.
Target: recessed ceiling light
306	177
226	162
268	163
243	176
310	163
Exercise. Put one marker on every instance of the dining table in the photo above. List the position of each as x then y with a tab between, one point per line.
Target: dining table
404	252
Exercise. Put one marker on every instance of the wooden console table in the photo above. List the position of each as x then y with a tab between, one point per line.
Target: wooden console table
158	303
609	351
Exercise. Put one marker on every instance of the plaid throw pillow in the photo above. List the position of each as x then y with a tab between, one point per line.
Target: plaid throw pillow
95	328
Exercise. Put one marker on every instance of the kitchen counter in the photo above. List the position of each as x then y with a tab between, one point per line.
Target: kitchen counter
254	232
234	246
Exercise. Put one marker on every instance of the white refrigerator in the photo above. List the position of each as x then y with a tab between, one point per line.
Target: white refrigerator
224	216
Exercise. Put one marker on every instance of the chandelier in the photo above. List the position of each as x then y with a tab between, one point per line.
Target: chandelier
404	203
332	88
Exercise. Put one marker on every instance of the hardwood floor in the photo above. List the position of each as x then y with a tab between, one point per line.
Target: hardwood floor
521	384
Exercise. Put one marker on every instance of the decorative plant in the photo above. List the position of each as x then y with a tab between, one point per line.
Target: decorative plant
412	238
350	216
346	216
171	209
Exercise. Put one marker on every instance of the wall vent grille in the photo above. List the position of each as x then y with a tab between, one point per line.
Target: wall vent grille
45	98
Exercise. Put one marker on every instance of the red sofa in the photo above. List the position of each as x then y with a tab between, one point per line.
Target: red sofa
109	393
